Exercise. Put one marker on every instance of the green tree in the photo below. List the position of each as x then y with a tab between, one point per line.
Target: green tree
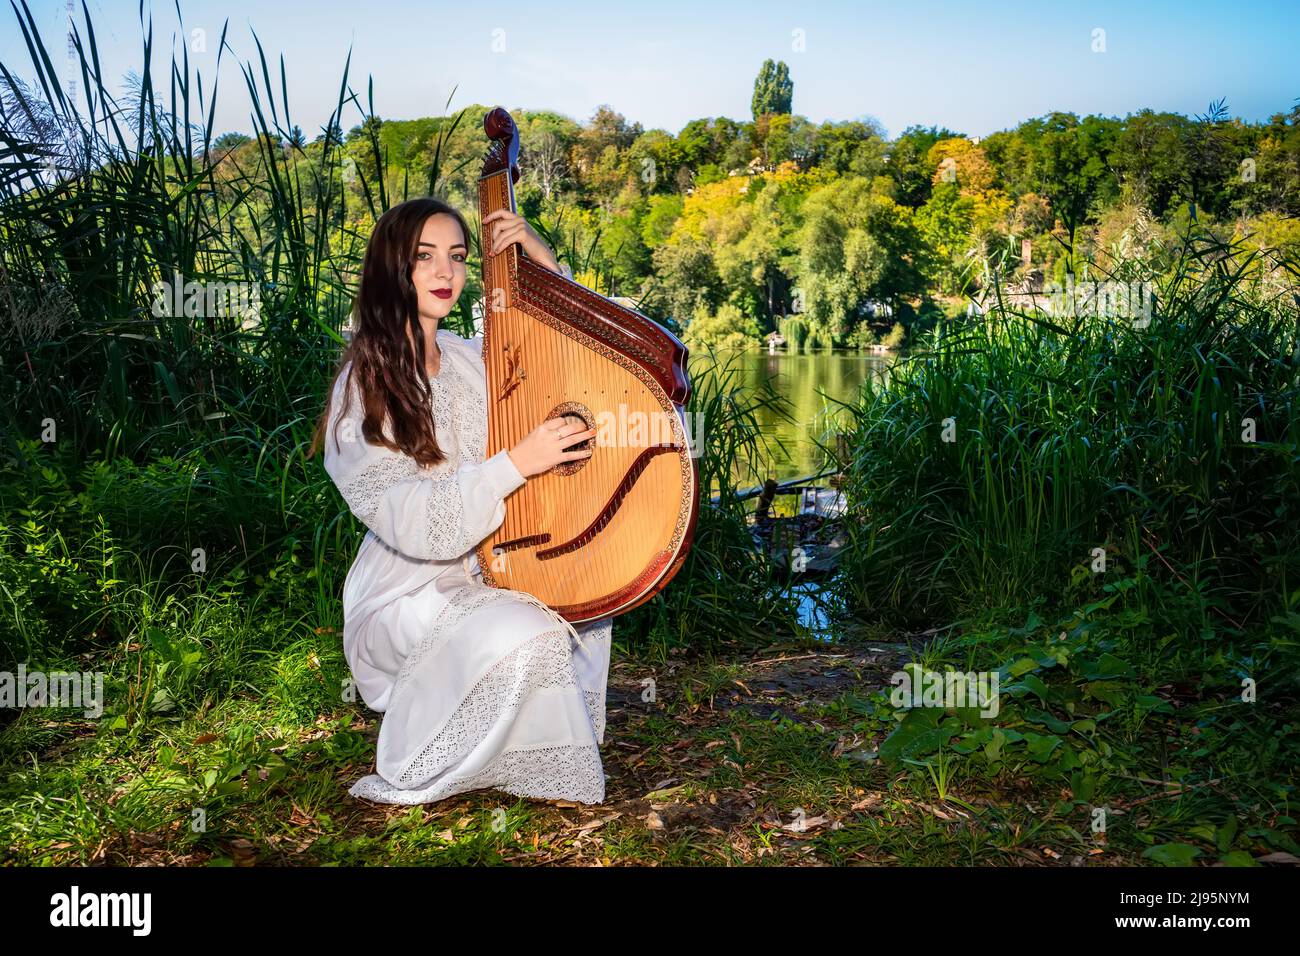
622	247
728	328
946	222
1150	161
855	244
546	142
705	142
908	163
851	148
687	279
599	156
1073	167
1211	159
228	141
655	158
1277	166
773	89
662	213
783	137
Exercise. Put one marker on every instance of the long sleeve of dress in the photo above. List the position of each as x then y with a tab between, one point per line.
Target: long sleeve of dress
414	510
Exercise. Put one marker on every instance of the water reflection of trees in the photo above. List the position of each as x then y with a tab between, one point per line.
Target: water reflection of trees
806	381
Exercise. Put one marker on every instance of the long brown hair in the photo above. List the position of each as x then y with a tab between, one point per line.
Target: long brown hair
389	372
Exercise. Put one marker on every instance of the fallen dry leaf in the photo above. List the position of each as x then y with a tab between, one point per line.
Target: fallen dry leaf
804	825
594	824
1278	857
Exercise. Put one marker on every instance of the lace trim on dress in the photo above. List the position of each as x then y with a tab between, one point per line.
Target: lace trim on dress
443	520
572	772
542	661
597	713
555	615
461	603
473	427
456	406
365	492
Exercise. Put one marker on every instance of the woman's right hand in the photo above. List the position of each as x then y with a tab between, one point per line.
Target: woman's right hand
543	448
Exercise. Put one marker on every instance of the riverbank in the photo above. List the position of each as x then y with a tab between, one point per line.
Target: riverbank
751	759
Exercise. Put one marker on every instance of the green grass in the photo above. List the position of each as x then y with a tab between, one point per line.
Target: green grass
734	763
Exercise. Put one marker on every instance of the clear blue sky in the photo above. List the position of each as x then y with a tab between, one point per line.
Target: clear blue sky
974	67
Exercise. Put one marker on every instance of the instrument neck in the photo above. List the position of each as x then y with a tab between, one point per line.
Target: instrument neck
496	191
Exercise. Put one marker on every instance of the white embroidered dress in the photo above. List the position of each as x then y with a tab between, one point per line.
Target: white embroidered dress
480	687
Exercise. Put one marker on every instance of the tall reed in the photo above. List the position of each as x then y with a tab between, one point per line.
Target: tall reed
1021	454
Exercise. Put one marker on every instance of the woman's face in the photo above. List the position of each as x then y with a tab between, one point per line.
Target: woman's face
439	266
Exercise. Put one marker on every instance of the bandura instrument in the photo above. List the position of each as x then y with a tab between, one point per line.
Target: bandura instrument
600	535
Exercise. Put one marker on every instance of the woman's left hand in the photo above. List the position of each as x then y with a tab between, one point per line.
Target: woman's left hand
510	227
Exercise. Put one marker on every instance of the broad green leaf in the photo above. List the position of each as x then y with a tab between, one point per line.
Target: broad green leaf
1022	666
1106	667
1148	703
1029	683
1172	854
1083	784
993	749
1224	836
1054	724
917	721
1110	693
1042	745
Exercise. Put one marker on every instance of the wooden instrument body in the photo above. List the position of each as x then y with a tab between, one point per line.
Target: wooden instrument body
597	536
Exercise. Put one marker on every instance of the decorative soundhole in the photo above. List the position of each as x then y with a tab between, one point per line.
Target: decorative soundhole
575	413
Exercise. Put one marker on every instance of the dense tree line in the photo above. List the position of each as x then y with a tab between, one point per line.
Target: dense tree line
729	226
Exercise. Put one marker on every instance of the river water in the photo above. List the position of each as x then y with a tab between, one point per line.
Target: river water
804	379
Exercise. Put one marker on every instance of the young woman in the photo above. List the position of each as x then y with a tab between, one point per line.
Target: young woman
479	686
